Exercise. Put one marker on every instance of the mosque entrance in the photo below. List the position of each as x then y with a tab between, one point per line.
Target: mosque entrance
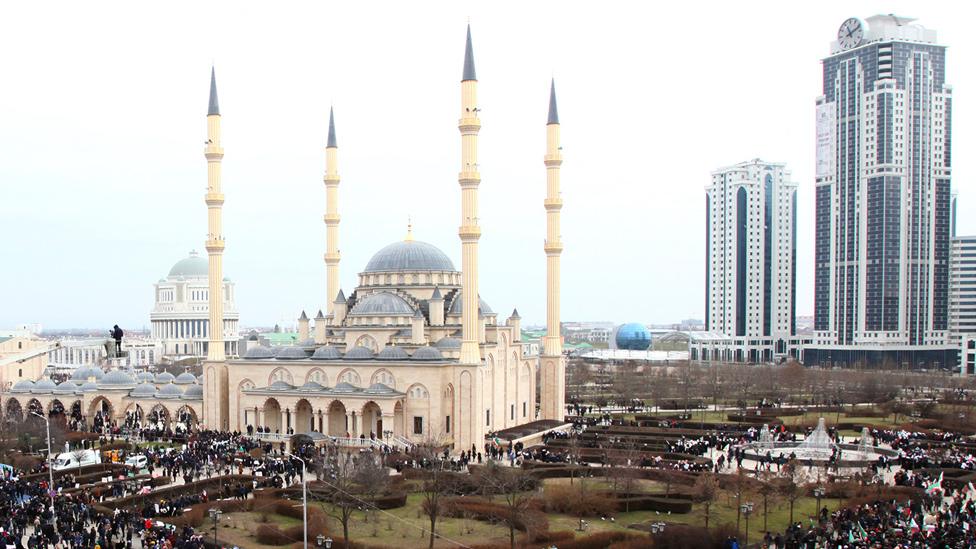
337	419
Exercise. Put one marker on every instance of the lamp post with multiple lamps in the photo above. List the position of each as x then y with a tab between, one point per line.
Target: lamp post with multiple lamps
322	541
657	527
304	502
215	515
50	467
746	509
818	492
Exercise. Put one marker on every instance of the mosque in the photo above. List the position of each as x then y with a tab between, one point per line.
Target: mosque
411	355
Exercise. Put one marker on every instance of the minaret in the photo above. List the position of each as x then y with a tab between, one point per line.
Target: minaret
331	215
553	372
216	366
470	232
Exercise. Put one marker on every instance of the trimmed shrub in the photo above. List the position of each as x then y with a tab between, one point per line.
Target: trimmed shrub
569	500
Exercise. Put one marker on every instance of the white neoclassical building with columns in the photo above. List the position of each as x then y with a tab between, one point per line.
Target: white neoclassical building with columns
180	318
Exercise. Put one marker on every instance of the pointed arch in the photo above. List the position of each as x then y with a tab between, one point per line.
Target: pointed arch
318	376
281	374
349	376
383	376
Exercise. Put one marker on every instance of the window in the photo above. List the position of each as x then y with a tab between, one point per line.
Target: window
523	408
488	417
447	424
513	411
418	425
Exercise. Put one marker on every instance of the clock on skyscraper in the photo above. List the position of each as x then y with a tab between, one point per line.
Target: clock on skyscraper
850	33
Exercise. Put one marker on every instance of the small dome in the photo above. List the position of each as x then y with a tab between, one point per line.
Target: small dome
359	353
186	378
194	266
311	386
84	372
258	352
164	377
291	353
379	388
144	377
457	306
22	386
143	390
65	388
193	392
327	352
276	350
281	386
345	387
252	337
43	386
307	343
392	352
633	336
409	255
427	353
116	379
448	343
169	391
89	387
382	304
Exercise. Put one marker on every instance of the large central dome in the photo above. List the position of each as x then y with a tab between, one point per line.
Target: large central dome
193	266
409	255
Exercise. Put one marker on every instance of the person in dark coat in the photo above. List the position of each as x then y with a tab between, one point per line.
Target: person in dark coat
117	335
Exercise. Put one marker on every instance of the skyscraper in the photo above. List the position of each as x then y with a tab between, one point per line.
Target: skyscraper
750	263
883	165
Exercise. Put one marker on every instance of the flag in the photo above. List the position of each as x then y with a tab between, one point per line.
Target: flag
850	536
862	534
935	486
913	526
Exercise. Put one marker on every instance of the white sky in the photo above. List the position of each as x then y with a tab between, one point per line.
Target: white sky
102	123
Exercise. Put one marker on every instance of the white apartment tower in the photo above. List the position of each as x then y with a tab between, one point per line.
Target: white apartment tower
751	261
962	300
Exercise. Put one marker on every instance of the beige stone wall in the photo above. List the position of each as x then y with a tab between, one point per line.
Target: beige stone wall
16	371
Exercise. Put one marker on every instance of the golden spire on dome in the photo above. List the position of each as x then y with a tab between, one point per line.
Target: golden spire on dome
409	237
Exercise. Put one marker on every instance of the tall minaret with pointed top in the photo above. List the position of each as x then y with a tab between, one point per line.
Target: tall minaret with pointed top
216	379
470	232
553	368
331	215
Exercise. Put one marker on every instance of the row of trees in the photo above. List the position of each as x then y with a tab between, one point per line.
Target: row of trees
690	384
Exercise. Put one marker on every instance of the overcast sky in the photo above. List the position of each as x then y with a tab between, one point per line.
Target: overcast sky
102	124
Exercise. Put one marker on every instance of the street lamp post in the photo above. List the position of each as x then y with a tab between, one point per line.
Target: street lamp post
215	514
746	511
304	502
818	492
50	467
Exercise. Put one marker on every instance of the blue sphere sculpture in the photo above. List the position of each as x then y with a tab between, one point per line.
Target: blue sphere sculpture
633	337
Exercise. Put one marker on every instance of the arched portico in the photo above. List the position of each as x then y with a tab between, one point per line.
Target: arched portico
304	421
337	419
372	421
272	415
158	416
13	411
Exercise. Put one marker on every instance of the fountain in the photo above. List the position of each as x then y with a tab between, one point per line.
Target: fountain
817	448
765	438
866	440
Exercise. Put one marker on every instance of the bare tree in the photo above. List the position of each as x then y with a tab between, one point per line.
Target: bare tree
339	473
705	490
371	476
436	487
791	483
517	488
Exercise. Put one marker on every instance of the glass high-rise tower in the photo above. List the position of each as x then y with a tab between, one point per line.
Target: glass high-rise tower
883	171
